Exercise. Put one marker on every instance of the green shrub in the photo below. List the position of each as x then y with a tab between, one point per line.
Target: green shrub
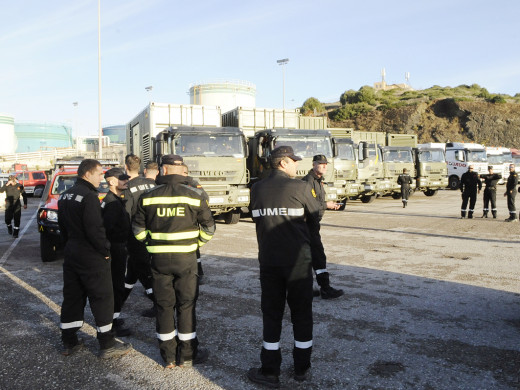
349	111
312	105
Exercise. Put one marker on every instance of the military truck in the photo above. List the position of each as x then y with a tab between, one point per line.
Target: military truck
305	143
460	156
216	156
431	167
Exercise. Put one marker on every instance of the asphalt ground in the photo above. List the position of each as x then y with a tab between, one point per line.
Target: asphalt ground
431	302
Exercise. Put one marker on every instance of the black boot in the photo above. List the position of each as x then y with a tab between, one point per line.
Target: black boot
470	214
462	214
10	229
485	215
494	213
15	232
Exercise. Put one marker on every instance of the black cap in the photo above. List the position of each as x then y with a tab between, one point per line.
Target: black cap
117	172
285	151
171	159
320	159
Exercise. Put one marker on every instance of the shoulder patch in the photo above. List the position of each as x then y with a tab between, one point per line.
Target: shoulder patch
313	192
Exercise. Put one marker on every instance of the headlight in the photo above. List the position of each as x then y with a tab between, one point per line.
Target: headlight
52	216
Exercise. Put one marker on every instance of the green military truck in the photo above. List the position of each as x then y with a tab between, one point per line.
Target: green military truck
215	156
432	169
395	159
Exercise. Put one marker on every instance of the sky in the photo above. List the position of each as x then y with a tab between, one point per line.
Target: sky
49	51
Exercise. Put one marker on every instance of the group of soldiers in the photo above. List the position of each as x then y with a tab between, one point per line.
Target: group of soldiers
471	185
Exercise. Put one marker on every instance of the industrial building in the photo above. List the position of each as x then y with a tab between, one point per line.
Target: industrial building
8	144
36	136
225	94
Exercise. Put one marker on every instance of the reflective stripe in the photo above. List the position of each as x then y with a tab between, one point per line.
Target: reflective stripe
166	336
271	346
321	271
105	328
141	236
129	286
174	236
172	248
201	243
187	336
277	211
303	344
198	260
171	200
70	325
204	235
149	291
116	315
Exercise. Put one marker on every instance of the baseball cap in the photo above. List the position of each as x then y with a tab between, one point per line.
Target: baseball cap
285	151
171	159
320	159
117	172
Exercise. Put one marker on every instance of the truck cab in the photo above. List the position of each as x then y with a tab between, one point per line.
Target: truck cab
460	156
371	172
431	167
345	170
395	159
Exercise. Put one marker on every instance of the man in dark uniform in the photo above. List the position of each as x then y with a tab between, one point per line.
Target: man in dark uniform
138	267
319	259
118	229
175	219
283	210
86	269
470	185
404	180
512	182
13	208
490	192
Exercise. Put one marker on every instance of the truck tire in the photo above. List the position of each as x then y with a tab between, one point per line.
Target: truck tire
47	248
368	198
430	192
453	183
232	217
396	195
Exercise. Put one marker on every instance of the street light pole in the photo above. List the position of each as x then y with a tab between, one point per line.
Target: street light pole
100	135
283	62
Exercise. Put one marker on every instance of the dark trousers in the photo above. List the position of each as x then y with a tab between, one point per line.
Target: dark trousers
138	268
319	259
405	193
85	277
175	285
294	285
511	203
472	197
118	254
490	195
13	210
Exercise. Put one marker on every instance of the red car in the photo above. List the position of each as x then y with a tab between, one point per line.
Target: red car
33	181
47	217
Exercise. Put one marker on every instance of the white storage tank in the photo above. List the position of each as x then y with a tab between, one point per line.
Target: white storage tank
8	144
226	94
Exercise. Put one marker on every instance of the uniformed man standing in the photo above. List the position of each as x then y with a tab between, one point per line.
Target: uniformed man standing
86	269
470	185
118	229
175	220
283	210
490	192
13	208
319	259
405	181
138	267
512	182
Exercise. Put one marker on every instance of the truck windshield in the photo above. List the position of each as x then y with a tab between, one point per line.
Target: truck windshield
507	157
306	146
397	156
431	155
476	155
494	159
213	145
346	152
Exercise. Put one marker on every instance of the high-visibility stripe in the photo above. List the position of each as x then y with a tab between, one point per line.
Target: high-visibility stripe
303	344
187	336
105	328
174	236
149	291
201	243
271	346
129	286
116	315
204	235
171	200
70	325
172	248
321	271
141	236
167	336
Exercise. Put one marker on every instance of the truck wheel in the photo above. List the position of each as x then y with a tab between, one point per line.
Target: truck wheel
430	192
368	198
453	183
47	248
231	217
396	195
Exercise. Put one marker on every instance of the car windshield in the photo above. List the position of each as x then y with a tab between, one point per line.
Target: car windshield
214	145
63	182
306	146
431	156
346	152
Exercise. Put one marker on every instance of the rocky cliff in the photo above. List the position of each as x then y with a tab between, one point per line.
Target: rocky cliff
446	120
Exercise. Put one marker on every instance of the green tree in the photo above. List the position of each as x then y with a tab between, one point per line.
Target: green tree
348	97
312	105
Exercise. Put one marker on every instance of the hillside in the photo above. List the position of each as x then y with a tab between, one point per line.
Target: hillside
438	114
